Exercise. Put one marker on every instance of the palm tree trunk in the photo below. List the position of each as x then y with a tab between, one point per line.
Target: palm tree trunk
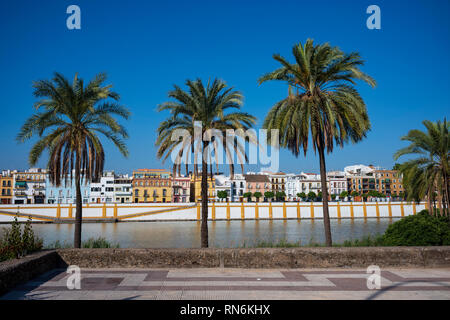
204	226
79	207
323	178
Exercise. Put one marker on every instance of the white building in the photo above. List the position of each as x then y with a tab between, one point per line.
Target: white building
358	170
103	191
29	186
337	182
311	182
235	188
293	186
123	192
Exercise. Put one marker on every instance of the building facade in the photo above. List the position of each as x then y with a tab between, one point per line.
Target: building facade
196	188
337	182
257	183
152	185
6	187
29	186
364	179
234	187
103	191
181	189
388	182
66	193
123	189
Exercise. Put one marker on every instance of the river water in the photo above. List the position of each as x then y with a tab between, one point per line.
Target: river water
235	233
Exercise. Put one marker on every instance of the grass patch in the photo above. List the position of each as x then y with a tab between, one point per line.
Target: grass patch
368	241
91	243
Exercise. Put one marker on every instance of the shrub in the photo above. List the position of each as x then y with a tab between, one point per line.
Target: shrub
419	230
16	243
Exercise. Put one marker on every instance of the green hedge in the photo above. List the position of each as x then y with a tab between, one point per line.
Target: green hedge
418	230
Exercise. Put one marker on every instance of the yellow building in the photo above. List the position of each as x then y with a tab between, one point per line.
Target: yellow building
152	185
6	189
196	188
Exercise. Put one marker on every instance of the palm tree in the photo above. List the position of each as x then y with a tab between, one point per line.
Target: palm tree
211	106
68	119
323	101
428	174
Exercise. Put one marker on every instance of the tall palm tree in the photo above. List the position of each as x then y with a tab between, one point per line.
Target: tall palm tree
323	101
68	119
217	107
428	174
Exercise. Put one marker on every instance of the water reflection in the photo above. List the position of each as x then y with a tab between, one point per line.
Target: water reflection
221	233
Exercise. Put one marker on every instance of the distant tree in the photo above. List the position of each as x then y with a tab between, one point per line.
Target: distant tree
301	195
312	195
222	194
343	194
333	197
396	166
248	195
365	196
280	195
319	195
355	194
257	195
373	193
268	194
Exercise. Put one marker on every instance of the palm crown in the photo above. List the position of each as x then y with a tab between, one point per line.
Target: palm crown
321	99
68	126
212	106
428	173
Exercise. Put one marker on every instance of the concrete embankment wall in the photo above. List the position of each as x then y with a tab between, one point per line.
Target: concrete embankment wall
217	211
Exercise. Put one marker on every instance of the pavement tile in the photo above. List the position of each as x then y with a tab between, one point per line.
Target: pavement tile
239	284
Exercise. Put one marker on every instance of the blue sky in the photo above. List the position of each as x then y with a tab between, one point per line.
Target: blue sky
147	46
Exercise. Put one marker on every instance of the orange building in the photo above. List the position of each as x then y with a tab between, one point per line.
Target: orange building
388	182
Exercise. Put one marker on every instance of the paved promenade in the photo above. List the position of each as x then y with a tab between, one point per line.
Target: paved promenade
237	284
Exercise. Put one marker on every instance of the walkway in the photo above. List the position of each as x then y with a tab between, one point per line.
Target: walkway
236	284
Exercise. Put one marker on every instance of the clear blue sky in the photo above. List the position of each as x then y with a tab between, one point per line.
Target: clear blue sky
147	46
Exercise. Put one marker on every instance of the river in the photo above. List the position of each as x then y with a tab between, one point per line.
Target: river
235	233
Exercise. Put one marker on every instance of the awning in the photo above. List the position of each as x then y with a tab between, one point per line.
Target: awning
22	184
